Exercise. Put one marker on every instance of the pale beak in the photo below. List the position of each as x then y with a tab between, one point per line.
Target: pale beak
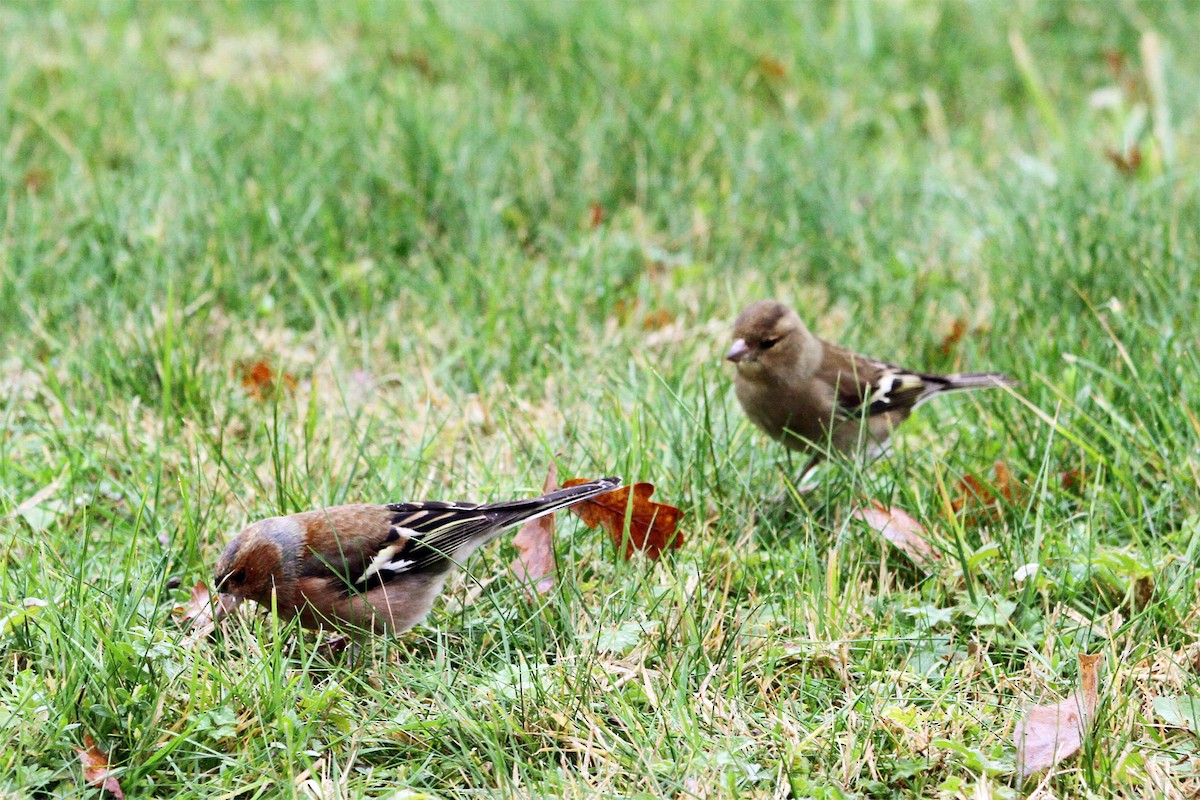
227	603
739	352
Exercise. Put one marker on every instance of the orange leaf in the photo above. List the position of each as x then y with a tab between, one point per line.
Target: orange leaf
898	527
95	768
977	502
1048	734
1116	62
657	319
652	526
595	215
1126	163
36	179
260	381
535	544
1072	479
771	67
958	329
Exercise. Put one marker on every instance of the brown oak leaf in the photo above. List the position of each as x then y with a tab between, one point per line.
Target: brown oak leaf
978	501
95	768
1127	162
653	527
260	381
535	545
958	329
1050	733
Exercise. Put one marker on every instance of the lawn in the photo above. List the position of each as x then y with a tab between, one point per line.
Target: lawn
260	258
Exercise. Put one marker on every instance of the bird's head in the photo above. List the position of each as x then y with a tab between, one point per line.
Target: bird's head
766	335
259	560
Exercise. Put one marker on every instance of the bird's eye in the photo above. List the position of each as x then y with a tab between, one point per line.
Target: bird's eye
237	576
767	344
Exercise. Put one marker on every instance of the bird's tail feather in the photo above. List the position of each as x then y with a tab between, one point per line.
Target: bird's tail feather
937	384
514	512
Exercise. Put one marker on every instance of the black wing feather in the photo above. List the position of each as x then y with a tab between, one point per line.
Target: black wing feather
435	532
893	389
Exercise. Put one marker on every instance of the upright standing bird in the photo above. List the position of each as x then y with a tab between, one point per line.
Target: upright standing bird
377	567
817	397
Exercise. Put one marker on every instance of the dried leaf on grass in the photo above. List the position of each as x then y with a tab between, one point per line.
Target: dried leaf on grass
260	381
203	612
978	502
657	319
898	527
771	67
653	527
1127	162
36	180
958	329
95	768
1048	734
534	563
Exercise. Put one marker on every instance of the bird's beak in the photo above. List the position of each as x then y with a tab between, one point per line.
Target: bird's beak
227	604
739	352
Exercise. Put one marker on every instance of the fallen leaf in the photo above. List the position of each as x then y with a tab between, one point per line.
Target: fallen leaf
1115	60
898	527
623	308
1126	163
657	319
958	329
1072	479
1048	734
260	381
652	526
417	60
978	502
95	768
203	612
535	545
771	67
36	179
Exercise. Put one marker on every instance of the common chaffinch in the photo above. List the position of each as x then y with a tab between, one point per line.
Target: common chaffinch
815	396
375	567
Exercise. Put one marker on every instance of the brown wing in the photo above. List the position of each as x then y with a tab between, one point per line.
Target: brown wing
865	387
366	532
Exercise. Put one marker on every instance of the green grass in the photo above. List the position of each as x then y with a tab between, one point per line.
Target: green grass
393	203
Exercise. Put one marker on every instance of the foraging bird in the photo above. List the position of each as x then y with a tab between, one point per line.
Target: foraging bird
377	567
816	397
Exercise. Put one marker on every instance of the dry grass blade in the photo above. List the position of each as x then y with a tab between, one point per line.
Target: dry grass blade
1048	734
